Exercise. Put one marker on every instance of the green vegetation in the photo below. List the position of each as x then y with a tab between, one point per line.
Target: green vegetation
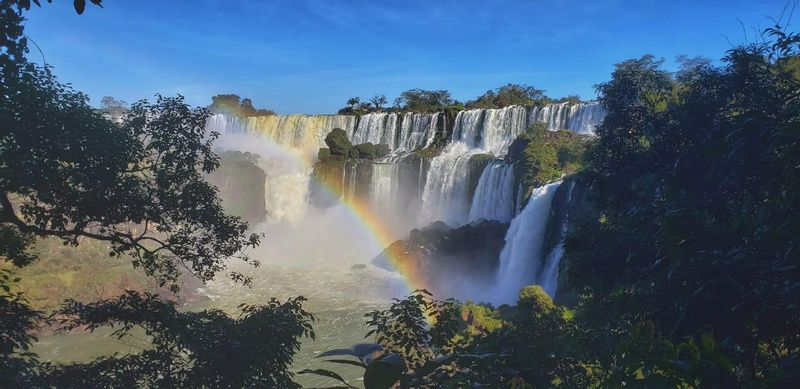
420	100
371	151
506	95
429	101
338	143
543	156
235	105
136	189
412	100
84	273
684	255
355	106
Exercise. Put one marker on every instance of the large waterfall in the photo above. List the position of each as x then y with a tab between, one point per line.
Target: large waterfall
299	131
521	261
468	181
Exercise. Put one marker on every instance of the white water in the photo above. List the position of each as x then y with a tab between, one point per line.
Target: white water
521	261
494	196
376	128
305	132
445	195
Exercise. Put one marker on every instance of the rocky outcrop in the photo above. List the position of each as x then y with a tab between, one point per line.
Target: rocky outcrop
241	183
439	254
570	203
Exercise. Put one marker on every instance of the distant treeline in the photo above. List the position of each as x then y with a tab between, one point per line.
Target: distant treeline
412	100
421	100
233	104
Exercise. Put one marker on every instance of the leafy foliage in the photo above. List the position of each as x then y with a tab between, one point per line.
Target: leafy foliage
507	95
16	321
235	105
695	179
80	5
544	156
188	349
139	187
420	100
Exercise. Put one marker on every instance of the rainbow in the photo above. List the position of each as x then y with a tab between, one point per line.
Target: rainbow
362	212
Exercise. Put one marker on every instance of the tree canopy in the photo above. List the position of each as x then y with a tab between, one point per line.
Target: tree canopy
235	105
139	186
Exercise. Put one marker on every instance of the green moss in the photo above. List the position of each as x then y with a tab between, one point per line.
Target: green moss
338	143
480	317
428	152
323	154
476	165
535	298
544	156
371	151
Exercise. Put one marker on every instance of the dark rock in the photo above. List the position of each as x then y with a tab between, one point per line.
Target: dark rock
437	254
338	143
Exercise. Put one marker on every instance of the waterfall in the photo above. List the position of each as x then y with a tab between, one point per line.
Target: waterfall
305	132
403	133
579	117
445	195
584	117
384	185
476	131
376	128
417	130
442	184
521	261
494	196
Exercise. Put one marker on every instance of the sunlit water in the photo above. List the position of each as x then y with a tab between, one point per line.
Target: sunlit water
314	258
338	296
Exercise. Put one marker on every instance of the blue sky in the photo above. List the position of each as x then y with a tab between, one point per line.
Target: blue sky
310	56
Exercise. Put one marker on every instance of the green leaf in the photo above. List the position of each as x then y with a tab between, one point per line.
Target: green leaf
347	362
326	373
383	373
80	6
360	350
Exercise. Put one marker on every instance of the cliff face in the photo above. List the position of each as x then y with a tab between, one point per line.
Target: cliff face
571	203
241	183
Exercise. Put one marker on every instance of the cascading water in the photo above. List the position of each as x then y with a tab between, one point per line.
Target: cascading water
494	196
578	117
417	130
384	186
584	117
521	261
376	128
445	195
477	131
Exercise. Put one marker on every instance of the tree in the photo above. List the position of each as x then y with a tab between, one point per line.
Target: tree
139	186
378	102
420	100
225	103
80	5
113	107
694	187
353	102
205	349
235	105
507	95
